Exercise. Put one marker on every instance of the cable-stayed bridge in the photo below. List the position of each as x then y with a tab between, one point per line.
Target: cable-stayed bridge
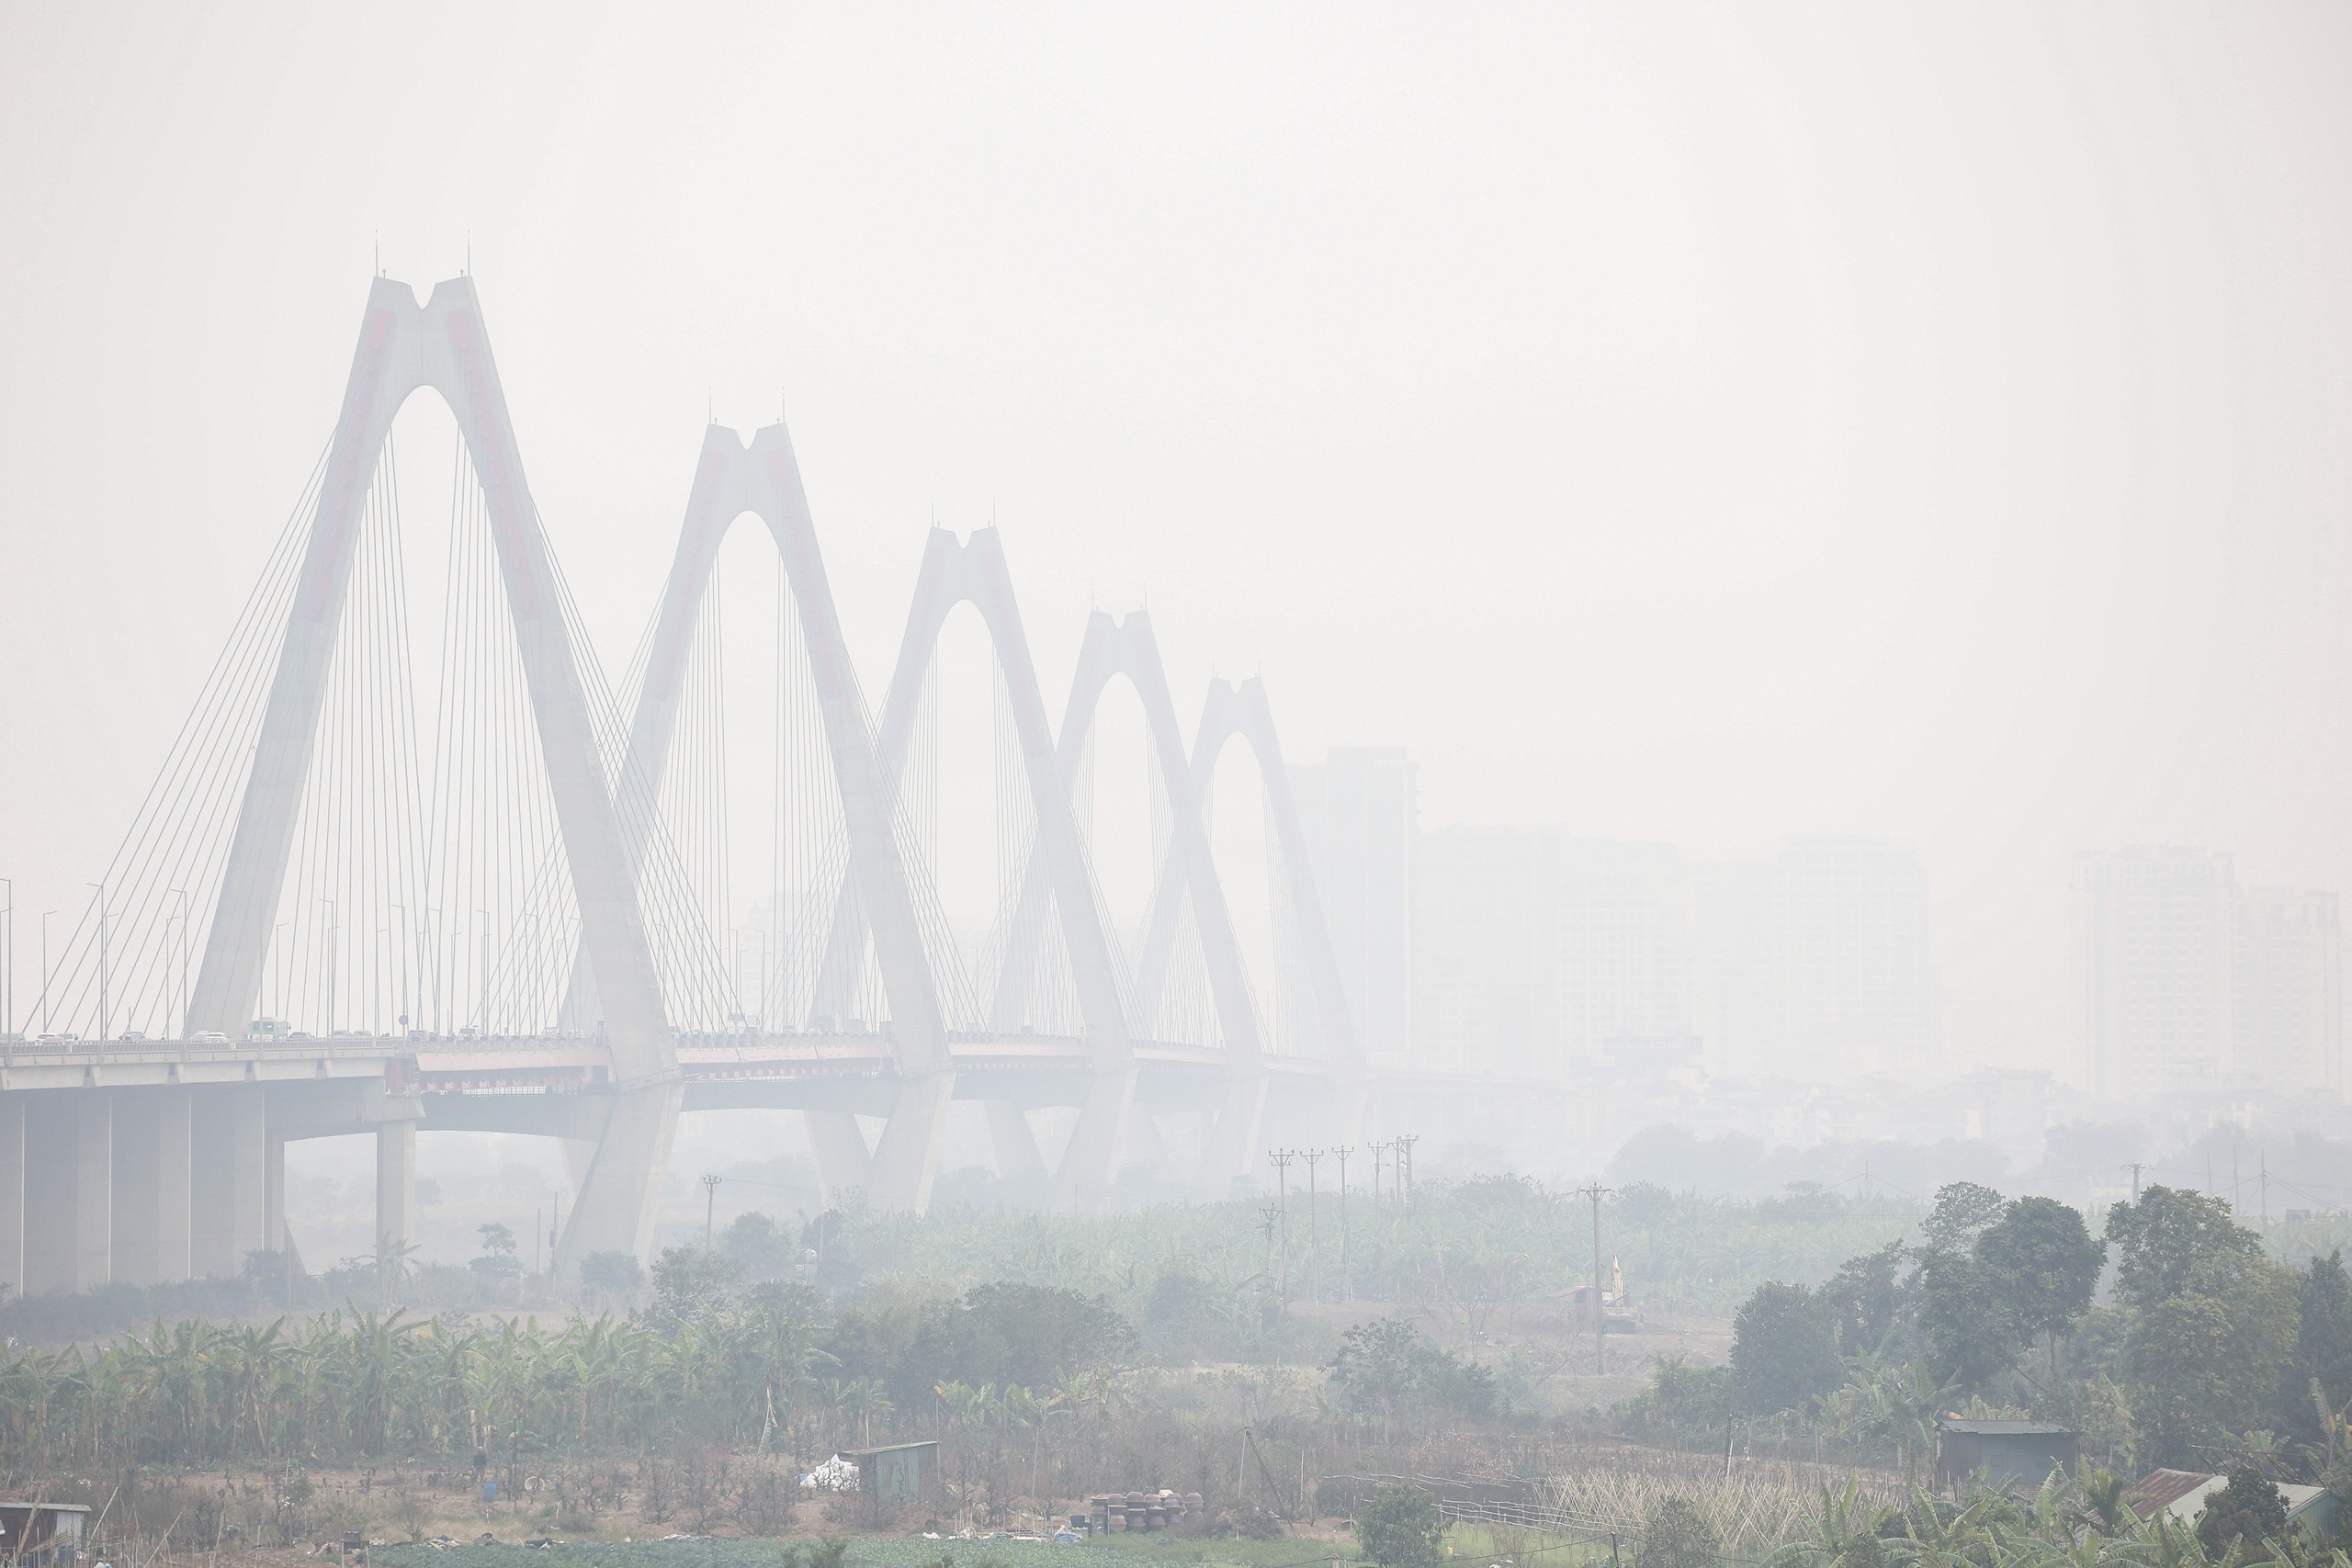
499	896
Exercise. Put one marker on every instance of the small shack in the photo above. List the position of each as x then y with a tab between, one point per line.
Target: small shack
2003	1451
2183	1494
902	1476
42	1535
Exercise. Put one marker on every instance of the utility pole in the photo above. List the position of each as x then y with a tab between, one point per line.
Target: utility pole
1404	1142
1347	1263
2263	1155
1600	1314
1282	1158
2135	1167
709	1208
1314	1248
1377	1150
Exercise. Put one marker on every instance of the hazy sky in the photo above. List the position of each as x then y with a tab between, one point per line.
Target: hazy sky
1697	424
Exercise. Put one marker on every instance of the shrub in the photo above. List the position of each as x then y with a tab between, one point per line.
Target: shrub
1675	1534
1401	1527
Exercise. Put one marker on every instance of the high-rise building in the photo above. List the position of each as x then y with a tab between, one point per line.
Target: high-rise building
1358	815
2289	1030
2155	968
1815	962
1625	947
1486	952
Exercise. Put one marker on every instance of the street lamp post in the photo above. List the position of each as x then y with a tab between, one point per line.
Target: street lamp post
102	958
181	917
44	969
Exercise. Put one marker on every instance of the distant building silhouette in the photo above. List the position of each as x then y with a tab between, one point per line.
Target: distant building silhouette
2289	990
1359	814
1626	961
1815	962
2184	981
1486	952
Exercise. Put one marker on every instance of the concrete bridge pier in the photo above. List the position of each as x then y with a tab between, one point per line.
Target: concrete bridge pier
274	1237
152	1181
844	1163
615	1208
395	1187
907	1156
1013	1142
1230	1149
227	1153
69	1193
1098	1144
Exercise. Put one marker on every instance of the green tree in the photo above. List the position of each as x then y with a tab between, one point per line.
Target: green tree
611	1276
2207	1367
1962	1208
765	1249
2049	1263
2323	1348
1675	1534
1401	1527
1866	1299
1392	1369
2171	1242
2248	1511
1970	1316
690	1285
1784	1350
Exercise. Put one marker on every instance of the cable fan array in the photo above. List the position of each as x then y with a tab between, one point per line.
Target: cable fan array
428	889
426	893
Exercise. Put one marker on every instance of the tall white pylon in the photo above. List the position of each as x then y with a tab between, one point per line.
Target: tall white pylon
974	572
442	345
762	481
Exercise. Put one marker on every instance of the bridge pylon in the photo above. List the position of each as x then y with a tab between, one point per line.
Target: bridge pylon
404	347
762	480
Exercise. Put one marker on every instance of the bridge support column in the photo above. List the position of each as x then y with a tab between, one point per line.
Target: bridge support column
1097	1144
12	1193
395	1189
622	1191
226	1155
1231	1147
275	1236
69	1201
844	1163
151	1171
908	1157
1017	1158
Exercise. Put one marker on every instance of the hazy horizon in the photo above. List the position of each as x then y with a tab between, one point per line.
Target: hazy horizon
1700	426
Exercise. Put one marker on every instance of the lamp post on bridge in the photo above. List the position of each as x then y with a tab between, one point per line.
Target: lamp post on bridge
181	915
9	974
102	958
44	969
481	986
332	934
